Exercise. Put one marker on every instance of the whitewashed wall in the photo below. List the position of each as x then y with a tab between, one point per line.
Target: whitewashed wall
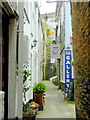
1	105
68	28
33	31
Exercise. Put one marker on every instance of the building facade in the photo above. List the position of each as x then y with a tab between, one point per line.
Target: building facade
33	31
64	38
18	22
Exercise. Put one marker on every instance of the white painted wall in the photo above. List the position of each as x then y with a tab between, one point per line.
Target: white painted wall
12	69
19	88
1	105
33	31
68	28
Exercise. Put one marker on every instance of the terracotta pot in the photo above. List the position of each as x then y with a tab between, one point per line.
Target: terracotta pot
41	107
31	117
38	98
55	83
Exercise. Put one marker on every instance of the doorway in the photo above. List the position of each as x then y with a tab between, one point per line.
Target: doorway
4	23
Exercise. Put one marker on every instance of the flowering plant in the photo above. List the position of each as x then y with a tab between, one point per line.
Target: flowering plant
34	105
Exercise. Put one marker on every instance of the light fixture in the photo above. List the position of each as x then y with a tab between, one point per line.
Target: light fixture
34	44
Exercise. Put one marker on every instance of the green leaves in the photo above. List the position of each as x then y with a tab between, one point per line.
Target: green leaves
26	89
26	78
39	88
26	74
47	31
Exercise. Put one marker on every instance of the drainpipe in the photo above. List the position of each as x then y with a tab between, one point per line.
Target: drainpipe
19	92
45	50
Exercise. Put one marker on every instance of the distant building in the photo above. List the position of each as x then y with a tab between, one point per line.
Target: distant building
50	18
51	24
64	38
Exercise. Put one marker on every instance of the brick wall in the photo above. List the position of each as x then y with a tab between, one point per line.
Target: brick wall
81	50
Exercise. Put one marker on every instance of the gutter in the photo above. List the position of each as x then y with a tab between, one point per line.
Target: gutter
10	10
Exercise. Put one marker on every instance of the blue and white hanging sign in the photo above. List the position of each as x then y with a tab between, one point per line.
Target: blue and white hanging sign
68	69
55	51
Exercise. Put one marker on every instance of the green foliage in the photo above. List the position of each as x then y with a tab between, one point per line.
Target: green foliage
46	28
47	31
26	74
26	88
59	87
54	69
54	80
26	77
39	87
54	74
26	109
49	42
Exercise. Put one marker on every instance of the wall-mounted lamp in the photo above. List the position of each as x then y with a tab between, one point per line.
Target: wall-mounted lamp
34	43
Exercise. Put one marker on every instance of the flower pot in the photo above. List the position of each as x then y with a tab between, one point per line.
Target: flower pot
27	117
55	83
38	98
33	116
30	117
41	107
34	110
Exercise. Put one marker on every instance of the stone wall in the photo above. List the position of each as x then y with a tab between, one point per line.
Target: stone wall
81	51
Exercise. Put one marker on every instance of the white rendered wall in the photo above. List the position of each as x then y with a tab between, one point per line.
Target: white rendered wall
68	33
1	105
68	28
19	88
12	69
33	31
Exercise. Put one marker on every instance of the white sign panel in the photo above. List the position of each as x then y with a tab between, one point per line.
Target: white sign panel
55	51
52	60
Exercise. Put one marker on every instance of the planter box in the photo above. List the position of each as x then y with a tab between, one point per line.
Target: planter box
38	98
30	117
55	83
41	107
27	117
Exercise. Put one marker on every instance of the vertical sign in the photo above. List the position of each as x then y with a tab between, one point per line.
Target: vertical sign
55	51
68	69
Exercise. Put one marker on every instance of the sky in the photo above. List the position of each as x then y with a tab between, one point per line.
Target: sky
43	5
46	7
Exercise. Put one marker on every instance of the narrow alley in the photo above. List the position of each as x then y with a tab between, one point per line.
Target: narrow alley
55	105
42	40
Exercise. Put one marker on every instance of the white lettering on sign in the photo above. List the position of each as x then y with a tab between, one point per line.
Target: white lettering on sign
68	62
68	57
67	80
67	85
68	76
67	67
66	89
67	71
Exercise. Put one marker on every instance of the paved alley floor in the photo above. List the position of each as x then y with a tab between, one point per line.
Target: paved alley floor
55	105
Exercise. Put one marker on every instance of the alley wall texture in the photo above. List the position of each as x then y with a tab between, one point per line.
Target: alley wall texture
81	50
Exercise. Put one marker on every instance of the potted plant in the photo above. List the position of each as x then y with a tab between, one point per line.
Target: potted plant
38	90
55	81
30	111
